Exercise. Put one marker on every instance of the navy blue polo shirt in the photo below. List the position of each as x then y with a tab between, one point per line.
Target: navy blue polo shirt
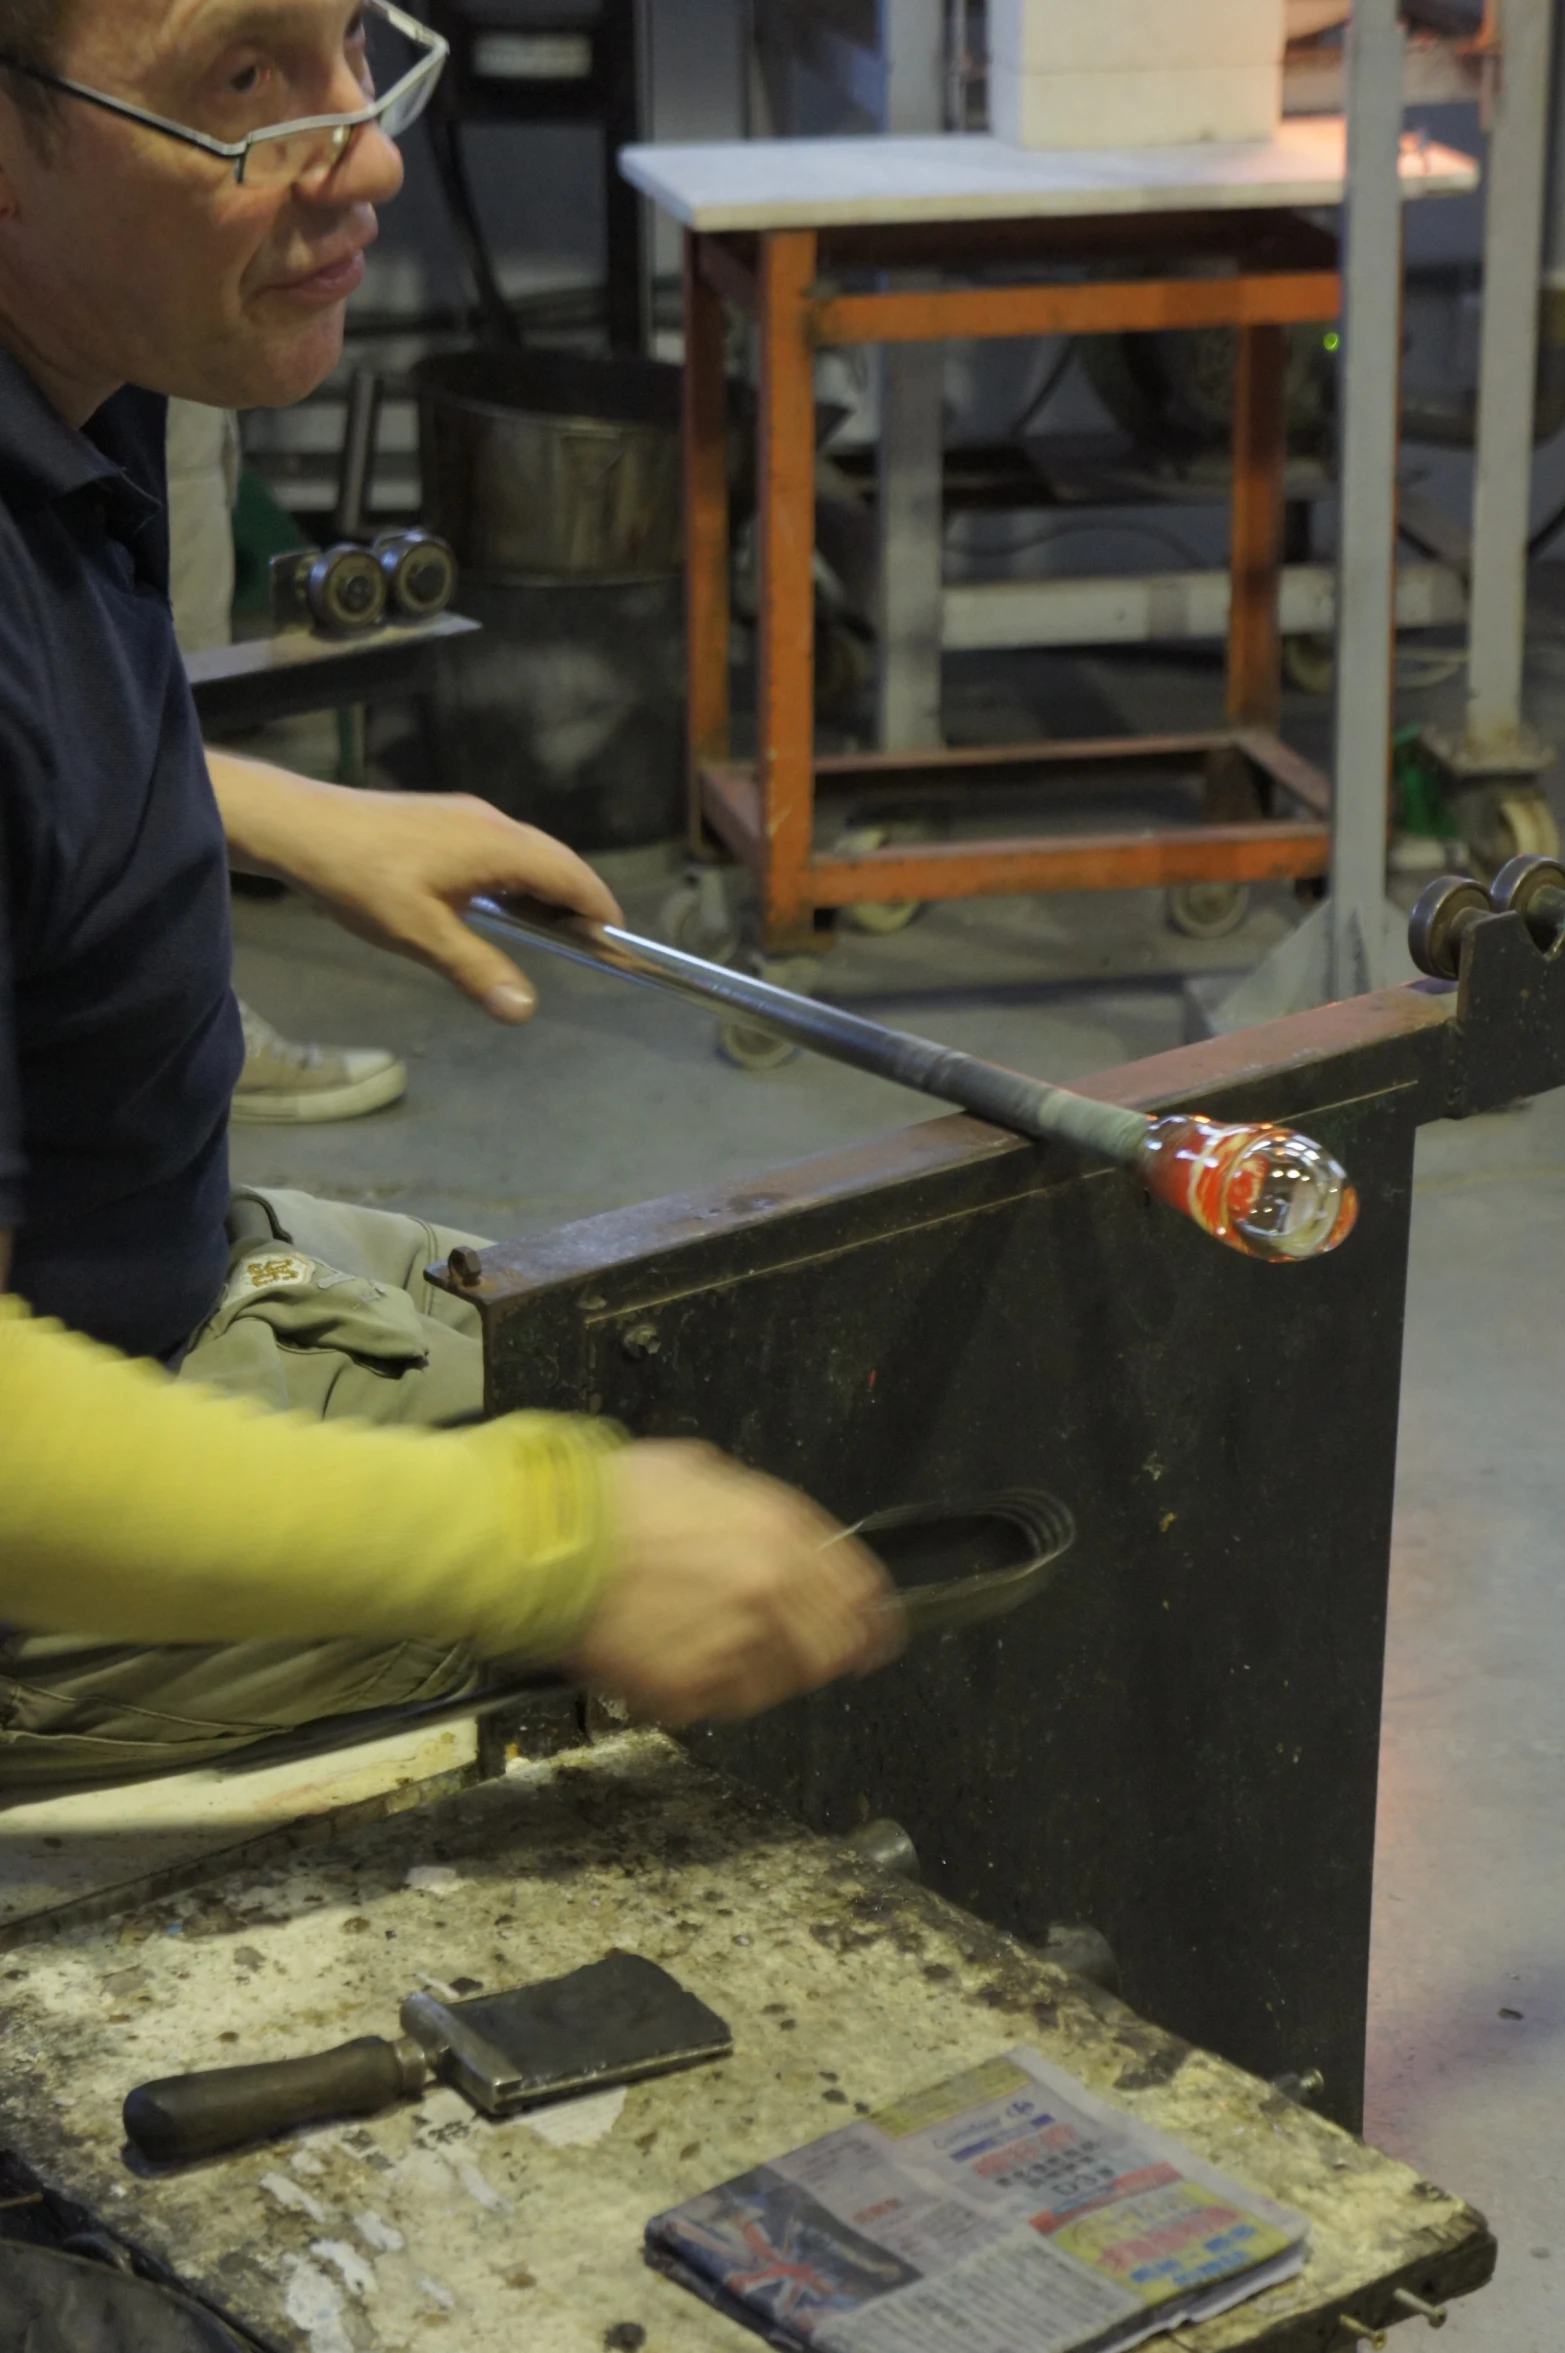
119	1036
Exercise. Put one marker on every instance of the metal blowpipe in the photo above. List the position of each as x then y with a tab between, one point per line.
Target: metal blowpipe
1262	1190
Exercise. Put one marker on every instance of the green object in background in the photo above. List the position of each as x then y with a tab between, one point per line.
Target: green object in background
1419	796
263	528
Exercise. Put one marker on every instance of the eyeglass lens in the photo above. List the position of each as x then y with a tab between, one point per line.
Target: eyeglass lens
397	67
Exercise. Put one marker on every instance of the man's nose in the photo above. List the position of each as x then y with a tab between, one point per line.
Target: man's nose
371	172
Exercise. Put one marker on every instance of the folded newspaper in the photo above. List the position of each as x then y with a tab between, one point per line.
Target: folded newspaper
1006	2210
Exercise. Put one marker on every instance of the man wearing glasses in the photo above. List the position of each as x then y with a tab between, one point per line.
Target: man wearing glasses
187	189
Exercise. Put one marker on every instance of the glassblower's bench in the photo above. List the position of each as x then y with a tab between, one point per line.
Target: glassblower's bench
1179	1744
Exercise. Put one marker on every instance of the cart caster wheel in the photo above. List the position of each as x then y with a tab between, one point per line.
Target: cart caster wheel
1445	912
749	1048
1497	826
1206	910
1528	819
883	916
744	1043
877	916
844	666
1310	663
695	917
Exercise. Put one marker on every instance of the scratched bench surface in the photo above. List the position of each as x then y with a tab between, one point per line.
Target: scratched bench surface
433	2225
64	1860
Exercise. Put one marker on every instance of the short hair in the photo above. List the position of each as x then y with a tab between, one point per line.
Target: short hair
30	31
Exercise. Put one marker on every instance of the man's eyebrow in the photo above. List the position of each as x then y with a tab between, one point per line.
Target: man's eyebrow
219	27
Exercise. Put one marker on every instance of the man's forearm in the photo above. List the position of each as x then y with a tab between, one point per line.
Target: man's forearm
270	815
149	1510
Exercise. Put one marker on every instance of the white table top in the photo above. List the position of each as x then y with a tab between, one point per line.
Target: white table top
830	183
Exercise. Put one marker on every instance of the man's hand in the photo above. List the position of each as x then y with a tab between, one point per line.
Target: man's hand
398	868
732	1592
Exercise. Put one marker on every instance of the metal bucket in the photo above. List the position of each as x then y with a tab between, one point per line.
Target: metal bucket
543	467
569	710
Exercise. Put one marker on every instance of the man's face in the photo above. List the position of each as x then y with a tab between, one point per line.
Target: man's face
127	257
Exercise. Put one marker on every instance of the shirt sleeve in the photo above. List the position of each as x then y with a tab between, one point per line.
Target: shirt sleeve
146	1509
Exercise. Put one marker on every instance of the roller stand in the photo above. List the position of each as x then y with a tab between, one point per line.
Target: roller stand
1448	910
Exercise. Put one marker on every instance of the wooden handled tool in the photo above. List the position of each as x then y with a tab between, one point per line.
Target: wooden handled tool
615	2021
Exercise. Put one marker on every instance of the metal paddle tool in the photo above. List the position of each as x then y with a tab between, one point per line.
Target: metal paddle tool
1262	1190
963	1563
616	2021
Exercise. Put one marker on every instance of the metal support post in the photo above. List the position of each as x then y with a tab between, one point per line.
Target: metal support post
1256	530
912	43
1494	760
706	526
1552	330
785	583
911	606
1366	594
1355	941
620	63
1495	739
912	429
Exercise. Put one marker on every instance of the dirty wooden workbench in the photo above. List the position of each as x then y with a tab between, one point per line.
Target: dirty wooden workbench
843	1985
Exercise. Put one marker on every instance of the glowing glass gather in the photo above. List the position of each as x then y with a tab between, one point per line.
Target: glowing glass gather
1263	1190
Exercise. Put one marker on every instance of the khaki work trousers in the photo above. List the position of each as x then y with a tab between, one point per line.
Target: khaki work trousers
326	1310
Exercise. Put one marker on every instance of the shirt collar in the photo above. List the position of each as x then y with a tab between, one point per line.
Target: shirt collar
40	454
46	461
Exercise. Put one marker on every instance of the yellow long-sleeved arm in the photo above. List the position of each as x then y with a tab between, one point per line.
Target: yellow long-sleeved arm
148	1510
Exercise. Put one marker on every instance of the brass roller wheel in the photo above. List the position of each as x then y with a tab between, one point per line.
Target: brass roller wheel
1445	911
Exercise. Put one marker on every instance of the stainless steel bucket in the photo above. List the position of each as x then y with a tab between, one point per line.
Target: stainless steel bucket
545	466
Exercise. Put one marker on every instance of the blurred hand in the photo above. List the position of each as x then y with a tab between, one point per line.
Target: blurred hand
732	1592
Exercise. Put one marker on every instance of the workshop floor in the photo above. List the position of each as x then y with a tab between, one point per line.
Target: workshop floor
613	1096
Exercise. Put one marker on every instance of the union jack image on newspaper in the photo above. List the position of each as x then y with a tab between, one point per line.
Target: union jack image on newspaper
783	2278
768	2244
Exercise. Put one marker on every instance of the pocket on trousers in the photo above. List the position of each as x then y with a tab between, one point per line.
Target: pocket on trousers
306	1304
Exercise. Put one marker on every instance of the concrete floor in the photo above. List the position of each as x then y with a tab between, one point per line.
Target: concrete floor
1467	2036
614	1096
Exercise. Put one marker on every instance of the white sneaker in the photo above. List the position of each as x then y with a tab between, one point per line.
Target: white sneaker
283	1080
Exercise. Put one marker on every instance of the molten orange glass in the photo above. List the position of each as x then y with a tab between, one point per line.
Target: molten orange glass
1262	1190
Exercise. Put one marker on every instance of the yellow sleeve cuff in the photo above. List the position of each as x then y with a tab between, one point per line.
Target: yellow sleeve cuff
148	1510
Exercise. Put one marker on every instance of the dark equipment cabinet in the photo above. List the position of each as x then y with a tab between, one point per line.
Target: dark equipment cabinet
1178	1745
514	64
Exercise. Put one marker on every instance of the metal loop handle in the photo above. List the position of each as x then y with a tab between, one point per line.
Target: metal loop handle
1047	1529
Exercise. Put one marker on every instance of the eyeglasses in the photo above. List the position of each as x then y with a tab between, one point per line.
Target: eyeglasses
284	153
